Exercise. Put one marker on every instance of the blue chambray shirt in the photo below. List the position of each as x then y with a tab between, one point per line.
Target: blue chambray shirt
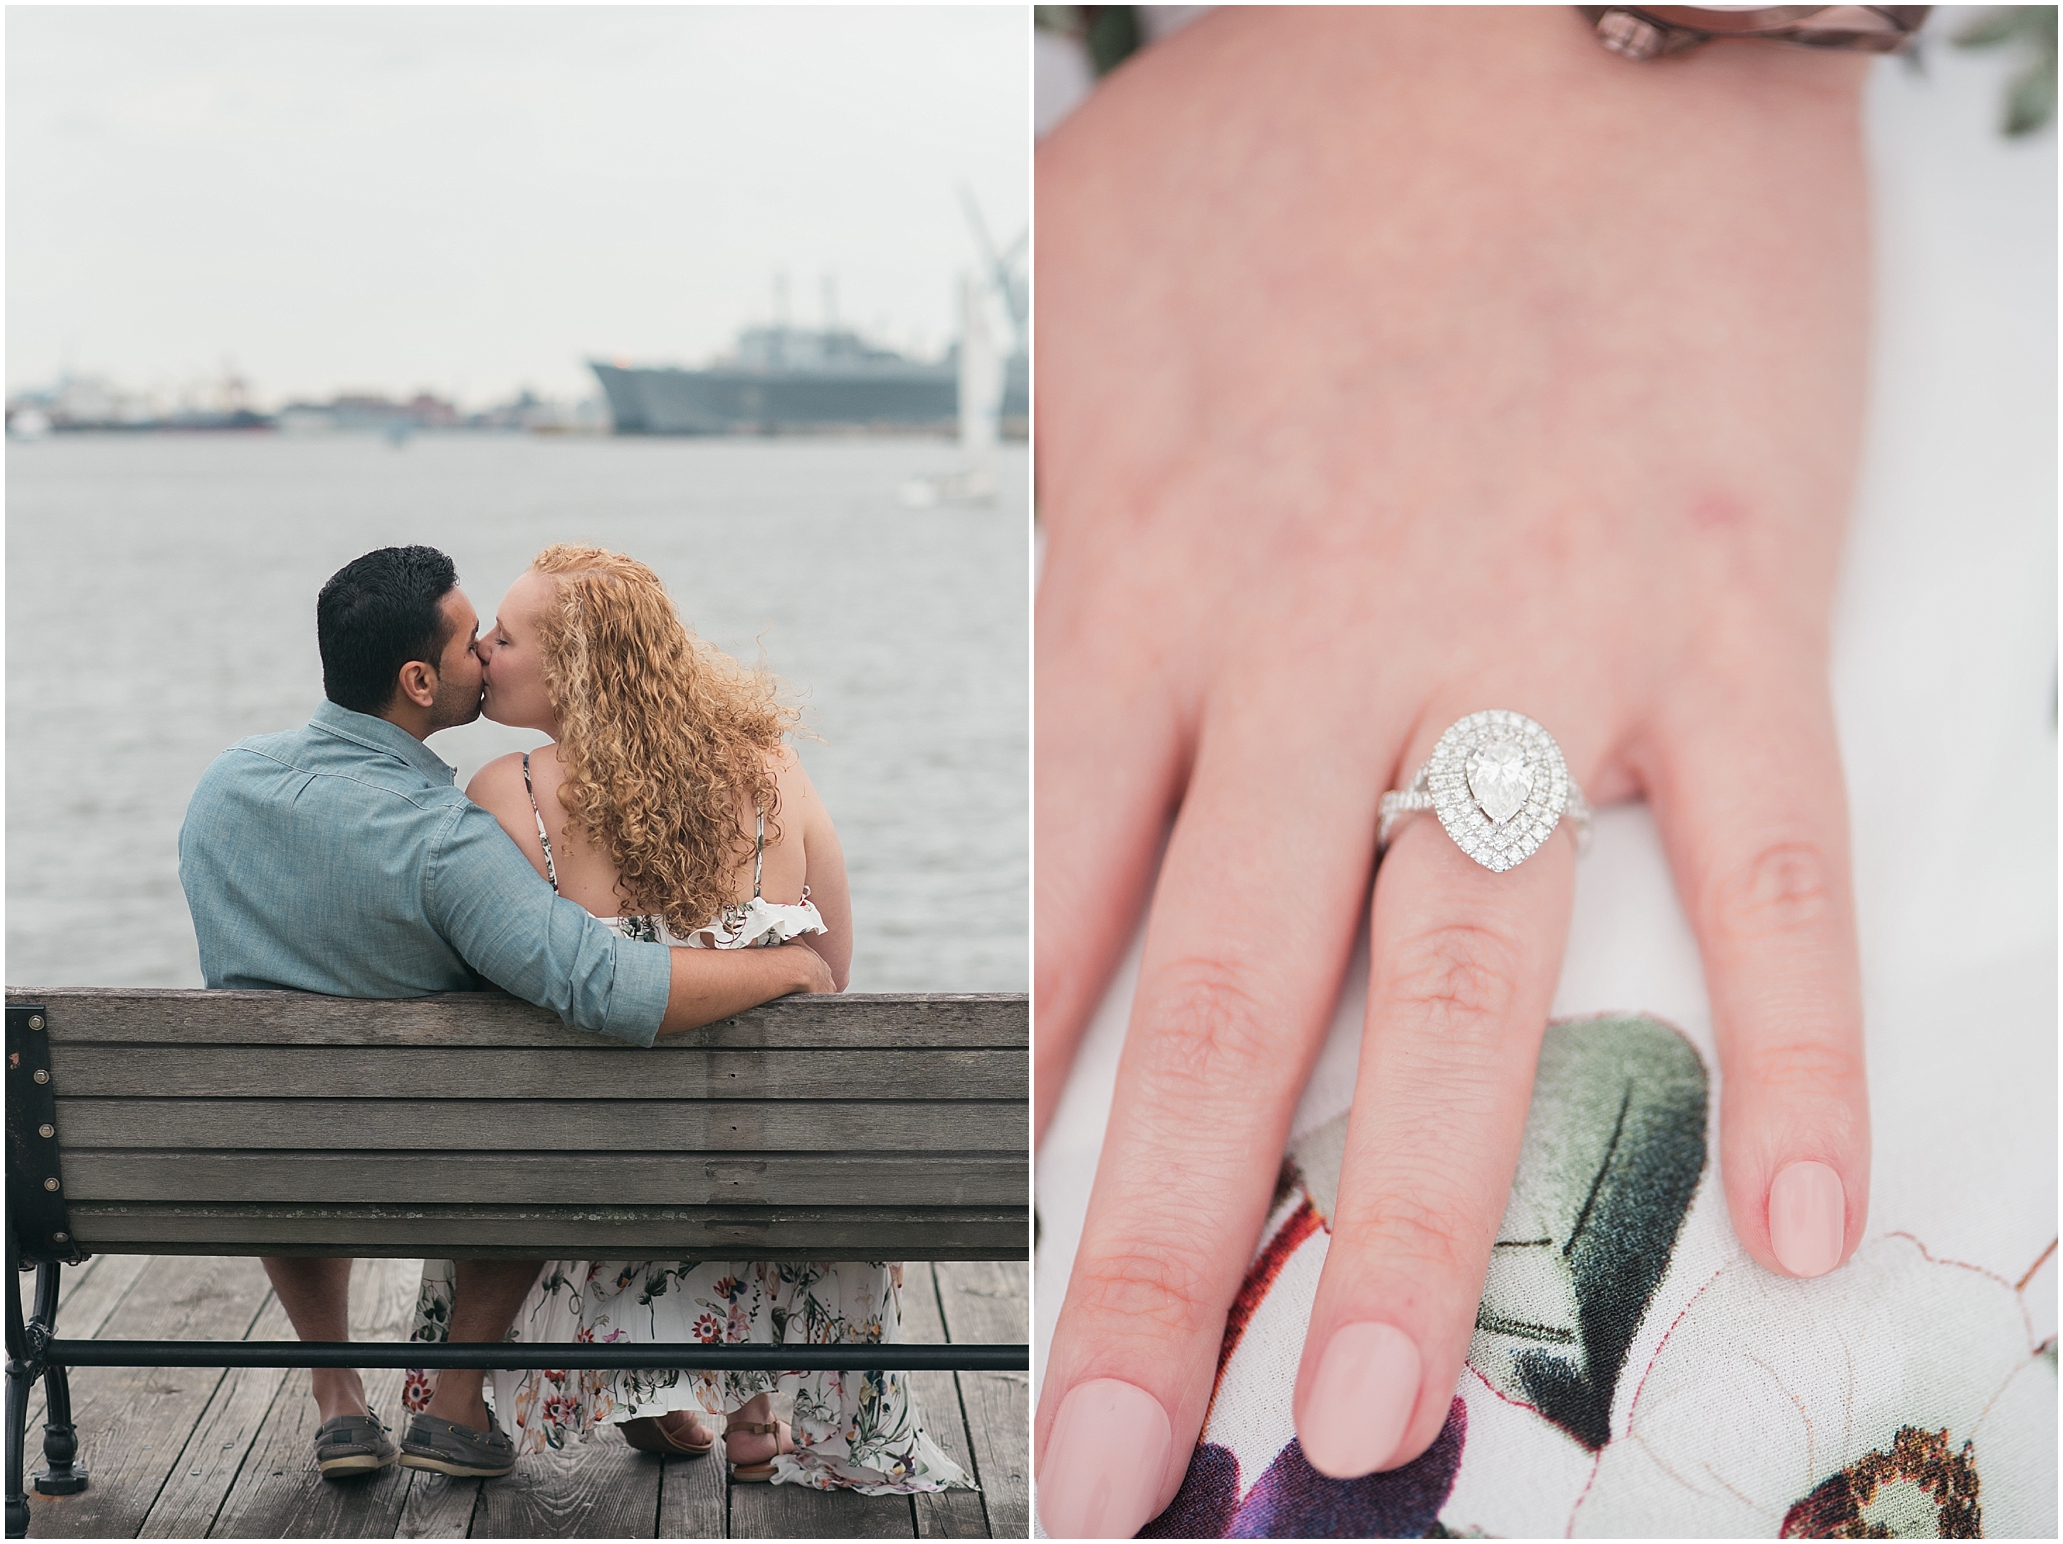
342	858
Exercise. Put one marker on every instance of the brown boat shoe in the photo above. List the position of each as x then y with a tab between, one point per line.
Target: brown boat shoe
352	1446
464	1451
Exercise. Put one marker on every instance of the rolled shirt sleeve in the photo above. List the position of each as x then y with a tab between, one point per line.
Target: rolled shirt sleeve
482	894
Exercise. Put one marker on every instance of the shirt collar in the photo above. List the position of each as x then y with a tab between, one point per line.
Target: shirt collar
379	735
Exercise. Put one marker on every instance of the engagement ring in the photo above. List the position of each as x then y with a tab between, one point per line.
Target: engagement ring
1499	785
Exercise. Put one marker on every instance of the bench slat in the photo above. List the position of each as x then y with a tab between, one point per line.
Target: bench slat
545	1125
578	1233
129	1015
355	1072
550	1179
890	1127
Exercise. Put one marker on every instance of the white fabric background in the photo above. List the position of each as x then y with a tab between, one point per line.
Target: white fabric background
1945	683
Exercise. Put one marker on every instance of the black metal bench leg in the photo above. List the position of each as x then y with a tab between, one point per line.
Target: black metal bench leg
66	1476
17	1415
19	1376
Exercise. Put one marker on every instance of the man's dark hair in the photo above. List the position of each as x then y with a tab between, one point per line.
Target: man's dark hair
376	614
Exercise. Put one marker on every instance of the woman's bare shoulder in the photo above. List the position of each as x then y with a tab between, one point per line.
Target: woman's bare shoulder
499	784
790	778
802	812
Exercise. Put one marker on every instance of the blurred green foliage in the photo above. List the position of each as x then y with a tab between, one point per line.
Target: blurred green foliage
2031	29
1110	32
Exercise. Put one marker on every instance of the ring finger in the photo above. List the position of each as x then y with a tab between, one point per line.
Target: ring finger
1463	963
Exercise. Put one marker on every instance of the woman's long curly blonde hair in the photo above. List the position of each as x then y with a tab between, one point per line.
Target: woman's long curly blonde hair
664	738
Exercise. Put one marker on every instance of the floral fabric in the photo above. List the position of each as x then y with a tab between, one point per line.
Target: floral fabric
854	1430
1633	1373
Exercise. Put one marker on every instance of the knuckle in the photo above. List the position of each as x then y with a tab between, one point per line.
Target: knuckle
1210	1031
1133	1285
1461	978
1422	1230
1805	1069
1783	888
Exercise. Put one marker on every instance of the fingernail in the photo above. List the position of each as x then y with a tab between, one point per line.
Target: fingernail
1361	1400
1808	1218
1101	1473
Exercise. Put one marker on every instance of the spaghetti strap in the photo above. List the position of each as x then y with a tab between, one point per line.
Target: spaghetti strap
759	855
551	871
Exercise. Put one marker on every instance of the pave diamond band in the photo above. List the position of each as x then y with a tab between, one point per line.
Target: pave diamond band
1500	787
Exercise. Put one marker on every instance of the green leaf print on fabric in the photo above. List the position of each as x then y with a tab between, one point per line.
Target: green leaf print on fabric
1614	1146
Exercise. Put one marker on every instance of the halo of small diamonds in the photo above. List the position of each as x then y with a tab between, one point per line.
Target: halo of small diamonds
1498	759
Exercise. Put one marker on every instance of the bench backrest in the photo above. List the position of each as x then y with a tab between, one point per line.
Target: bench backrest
472	1124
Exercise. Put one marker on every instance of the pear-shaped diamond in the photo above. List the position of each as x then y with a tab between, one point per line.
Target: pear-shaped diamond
1500	779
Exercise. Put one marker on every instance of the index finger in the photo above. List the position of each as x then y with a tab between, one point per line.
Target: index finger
1252	926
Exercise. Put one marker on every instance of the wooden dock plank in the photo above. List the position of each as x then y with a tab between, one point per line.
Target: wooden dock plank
439	1506
985	1301
945	1514
990	1300
998	1408
194	1488
278	1492
692	1494
134	1421
798	1512
86	1295
599	1488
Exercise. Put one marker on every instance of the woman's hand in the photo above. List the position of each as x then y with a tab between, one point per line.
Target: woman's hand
812	971
1395	364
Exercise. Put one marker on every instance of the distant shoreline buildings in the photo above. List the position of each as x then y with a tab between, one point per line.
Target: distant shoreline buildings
91	404
777	380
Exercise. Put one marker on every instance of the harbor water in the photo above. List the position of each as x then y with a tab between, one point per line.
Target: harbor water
161	605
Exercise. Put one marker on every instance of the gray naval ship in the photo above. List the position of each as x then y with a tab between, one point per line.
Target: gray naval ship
798	380
785	379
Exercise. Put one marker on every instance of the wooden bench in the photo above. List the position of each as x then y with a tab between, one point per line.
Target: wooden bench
472	1125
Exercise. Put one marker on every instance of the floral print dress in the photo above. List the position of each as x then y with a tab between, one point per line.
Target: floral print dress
855	1430
852	1430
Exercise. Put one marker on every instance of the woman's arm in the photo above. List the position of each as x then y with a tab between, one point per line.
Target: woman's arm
498	789
803	814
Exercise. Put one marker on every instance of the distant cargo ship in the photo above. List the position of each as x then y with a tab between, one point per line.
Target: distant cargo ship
799	380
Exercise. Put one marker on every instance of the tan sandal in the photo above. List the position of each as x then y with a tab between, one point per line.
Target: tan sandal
650	1434
760	1473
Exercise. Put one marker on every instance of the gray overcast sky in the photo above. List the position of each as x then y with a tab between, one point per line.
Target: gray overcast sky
472	199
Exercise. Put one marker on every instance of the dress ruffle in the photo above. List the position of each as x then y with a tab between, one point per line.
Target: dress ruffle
853	1430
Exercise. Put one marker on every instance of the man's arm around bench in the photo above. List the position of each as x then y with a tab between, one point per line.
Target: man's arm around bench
712	984
503	919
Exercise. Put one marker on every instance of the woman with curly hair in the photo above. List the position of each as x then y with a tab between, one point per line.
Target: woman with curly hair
669	805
